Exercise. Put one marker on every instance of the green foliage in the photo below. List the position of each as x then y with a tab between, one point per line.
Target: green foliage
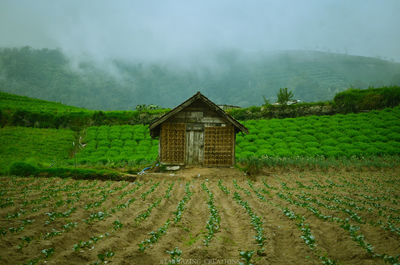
284	96
35	146
246	257
30	112
25	169
175	256
354	100
117	146
359	135
22	169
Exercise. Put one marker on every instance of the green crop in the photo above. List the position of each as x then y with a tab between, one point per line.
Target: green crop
43	146
214	220
121	145
351	135
246	257
175	256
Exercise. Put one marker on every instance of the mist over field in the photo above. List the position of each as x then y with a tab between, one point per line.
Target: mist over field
234	51
176	30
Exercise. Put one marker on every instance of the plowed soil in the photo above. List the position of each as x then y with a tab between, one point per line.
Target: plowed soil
307	218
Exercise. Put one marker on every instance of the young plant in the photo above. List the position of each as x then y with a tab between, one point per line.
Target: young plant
246	257
175	255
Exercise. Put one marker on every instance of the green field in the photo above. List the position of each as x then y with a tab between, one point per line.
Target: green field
364	134
45	146
361	135
371	134
15	102
124	144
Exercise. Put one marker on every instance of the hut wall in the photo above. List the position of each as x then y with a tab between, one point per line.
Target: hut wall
197	135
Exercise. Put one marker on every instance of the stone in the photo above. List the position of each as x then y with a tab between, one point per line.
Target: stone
172	168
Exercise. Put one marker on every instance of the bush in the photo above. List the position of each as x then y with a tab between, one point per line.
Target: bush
283	152
296	145
311	144
308	138
329	142
345	139
312	151
298	152
354	100
22	169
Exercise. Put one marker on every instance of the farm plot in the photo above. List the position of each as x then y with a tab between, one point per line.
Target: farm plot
118	144
371	134
341	218
365	134
46	146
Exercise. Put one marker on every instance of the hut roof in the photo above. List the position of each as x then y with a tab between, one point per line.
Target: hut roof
154	127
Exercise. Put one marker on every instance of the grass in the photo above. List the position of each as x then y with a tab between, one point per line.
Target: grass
37	146
15	102
26	170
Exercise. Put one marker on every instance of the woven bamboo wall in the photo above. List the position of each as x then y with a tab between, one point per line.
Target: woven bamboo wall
173	143
219	144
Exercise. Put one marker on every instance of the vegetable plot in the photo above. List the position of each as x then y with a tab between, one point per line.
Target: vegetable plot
365	134
375	133
307	218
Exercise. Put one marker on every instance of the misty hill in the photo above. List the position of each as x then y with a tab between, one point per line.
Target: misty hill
227	77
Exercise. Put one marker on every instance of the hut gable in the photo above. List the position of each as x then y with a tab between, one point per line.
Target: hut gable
197	132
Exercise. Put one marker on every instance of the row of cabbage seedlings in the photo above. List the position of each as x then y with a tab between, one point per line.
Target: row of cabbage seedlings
307	235
94	217
371	204
156	235
52	193
353	230
214	220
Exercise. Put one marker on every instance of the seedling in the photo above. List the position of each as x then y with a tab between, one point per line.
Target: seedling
175	256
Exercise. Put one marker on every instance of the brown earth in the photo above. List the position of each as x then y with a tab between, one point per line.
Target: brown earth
372	196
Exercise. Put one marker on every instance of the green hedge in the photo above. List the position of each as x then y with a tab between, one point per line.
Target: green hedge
30	114
76	120
283	111
26	169
355	100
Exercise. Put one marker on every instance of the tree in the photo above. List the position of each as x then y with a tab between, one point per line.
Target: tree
284	96
266	101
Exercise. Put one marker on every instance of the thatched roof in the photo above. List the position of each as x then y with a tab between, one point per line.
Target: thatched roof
155	126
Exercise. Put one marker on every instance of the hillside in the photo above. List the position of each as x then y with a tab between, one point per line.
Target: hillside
231	77
44	146
16	102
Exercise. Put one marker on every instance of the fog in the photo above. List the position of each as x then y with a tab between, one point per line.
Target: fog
187	31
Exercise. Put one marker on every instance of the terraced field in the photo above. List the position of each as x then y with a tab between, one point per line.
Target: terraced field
219	216
45	146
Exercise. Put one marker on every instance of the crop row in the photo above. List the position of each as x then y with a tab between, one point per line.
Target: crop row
372	133
155	235
354	231
104	144
214	220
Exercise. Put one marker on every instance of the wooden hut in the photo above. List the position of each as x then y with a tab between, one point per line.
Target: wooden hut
198	133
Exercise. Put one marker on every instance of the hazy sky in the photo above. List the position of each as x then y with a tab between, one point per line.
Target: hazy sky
174	30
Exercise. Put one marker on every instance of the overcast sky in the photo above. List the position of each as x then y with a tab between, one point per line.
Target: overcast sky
172	30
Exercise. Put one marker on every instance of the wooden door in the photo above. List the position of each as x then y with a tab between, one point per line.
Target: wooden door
194	144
